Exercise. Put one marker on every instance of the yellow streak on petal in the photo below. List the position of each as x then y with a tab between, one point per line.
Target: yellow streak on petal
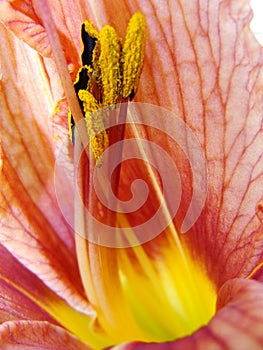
133	54
254	271
164	297
81	325
96	130
109	65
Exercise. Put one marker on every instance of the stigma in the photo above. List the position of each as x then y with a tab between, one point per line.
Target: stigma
109	75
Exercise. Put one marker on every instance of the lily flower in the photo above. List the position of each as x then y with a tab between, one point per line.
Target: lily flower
199	289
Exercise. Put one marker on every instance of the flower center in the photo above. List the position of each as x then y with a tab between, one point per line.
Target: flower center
153	291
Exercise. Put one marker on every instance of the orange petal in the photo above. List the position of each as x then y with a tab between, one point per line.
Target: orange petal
37	335
14	304
237	324
59	123
224	108
204	64
24	19
20	18
25	296
33	227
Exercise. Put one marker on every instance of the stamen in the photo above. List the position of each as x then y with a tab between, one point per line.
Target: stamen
96	131
90	30
109	47
101	82
133	54
89	37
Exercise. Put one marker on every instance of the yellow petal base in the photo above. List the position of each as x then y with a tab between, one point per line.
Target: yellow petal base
138	297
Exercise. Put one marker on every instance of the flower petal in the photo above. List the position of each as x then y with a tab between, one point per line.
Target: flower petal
33	227
13	303
37	335
225	113
23	18
204	64
20	17
237	324
258	275
59	124
25	296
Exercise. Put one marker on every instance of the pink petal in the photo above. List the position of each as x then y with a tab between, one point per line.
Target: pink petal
24	19
14	304
237	324
33	227
37	335
59	123
20	17
23	296
204	64
224	108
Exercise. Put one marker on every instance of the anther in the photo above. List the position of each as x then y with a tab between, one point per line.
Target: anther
95	126
133	54
110	74
108	56
89	37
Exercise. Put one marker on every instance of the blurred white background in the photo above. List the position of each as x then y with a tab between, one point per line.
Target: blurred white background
257	22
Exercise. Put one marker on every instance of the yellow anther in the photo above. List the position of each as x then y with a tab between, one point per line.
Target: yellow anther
109	75
91	30
94	120
133	54
96	76
109	50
